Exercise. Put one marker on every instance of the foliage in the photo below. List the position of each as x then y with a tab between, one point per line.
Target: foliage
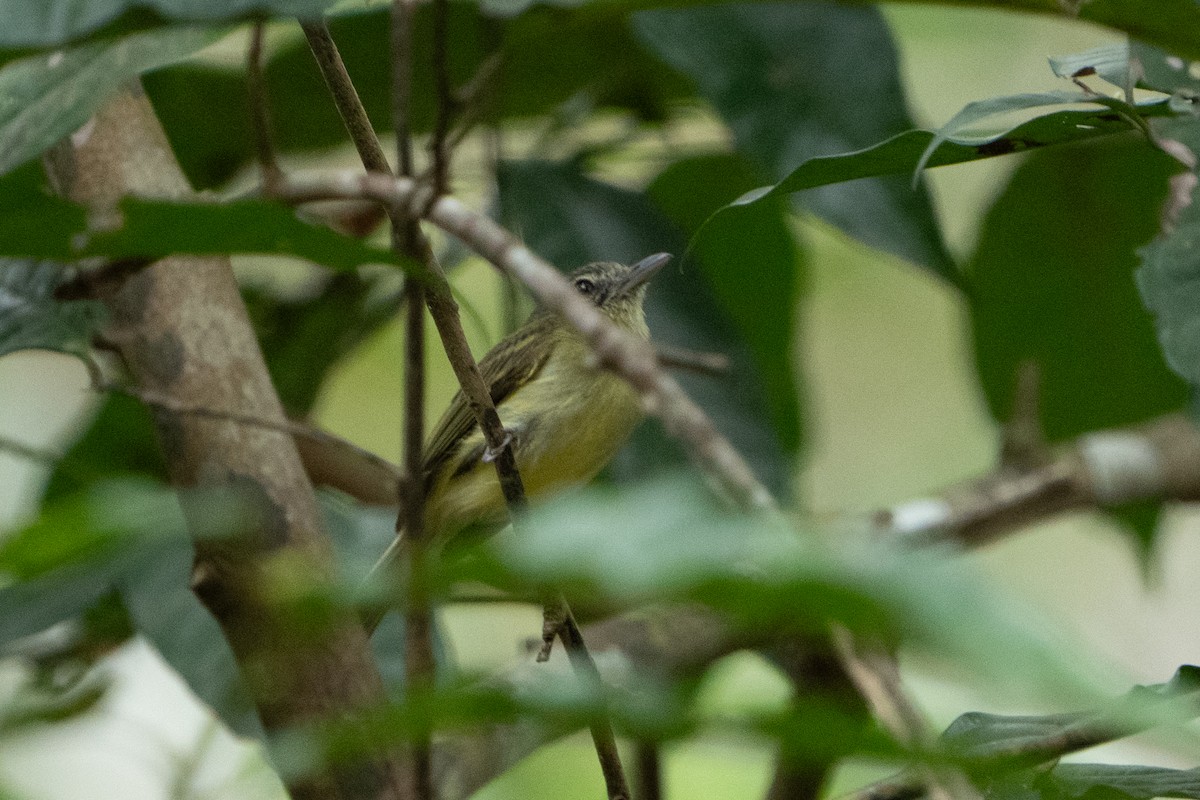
811	119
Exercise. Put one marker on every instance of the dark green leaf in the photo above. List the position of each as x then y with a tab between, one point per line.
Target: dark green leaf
32	319
571	220
1132	782
1051	282
798	81
46	97
752	264
50	23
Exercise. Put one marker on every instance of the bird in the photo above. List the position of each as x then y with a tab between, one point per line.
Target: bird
566	415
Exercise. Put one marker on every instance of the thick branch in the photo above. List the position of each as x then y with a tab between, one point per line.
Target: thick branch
1160	459
182	331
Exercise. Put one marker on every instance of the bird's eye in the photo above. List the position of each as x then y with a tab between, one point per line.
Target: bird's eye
585	286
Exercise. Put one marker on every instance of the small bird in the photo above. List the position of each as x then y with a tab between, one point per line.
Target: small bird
566	415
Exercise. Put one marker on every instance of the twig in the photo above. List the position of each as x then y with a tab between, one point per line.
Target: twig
297	430
438	298
627	355
419	662
345	96
446	103
601	729
15	448
877	675
260	114
712	364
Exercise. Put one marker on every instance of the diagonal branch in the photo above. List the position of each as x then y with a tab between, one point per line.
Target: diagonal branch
626	355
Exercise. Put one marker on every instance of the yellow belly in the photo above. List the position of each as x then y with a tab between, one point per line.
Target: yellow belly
569	422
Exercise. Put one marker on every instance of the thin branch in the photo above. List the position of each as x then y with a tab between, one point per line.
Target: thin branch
712	364
296	429
601	729
446	103
345	96
260	114
649	771
876	674
20	450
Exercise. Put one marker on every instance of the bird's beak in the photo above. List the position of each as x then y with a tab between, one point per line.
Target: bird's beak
643	271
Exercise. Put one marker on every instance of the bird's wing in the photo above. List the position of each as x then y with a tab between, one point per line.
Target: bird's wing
508	365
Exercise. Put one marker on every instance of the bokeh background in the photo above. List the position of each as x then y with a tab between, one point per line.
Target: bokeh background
893	410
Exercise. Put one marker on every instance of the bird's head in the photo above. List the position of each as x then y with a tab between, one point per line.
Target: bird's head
619	290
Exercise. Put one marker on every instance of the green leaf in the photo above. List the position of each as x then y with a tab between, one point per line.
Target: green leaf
31	318
50	23
46	97
571	220
598	64
153	229
1051	282
969	118
1110	62
1124	781
751	262
799	81
901	153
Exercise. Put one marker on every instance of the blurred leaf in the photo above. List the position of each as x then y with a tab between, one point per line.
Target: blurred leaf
118	442
31	317
752	263
49	23
128	535
668	541
1051	283
1123	781
44	98
797	81
594	56
571	219
40	705
163	608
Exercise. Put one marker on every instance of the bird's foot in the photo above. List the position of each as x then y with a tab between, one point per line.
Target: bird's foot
490	454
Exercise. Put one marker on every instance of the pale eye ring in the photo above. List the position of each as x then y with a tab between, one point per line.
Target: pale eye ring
585	286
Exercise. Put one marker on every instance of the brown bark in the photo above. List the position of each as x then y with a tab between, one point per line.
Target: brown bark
182	331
